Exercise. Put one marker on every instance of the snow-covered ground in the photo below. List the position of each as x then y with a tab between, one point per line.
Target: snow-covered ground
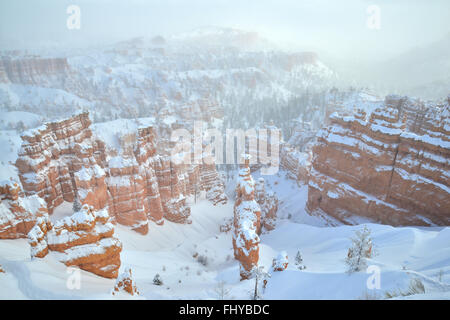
403	254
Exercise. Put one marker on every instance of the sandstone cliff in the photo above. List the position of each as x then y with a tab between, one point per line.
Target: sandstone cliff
391	166
62	160
34	70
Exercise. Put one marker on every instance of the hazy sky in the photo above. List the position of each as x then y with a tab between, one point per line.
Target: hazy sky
336	27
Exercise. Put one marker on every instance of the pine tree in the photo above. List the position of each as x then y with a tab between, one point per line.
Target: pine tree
157	280
261	277
221	291
360	250
299	261
76	204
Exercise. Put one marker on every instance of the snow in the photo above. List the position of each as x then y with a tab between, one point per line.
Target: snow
168	250
10	120
427	139
10	142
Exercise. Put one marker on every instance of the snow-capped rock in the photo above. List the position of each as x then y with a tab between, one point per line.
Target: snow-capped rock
37	237
126	283
86	240
281	262
18	213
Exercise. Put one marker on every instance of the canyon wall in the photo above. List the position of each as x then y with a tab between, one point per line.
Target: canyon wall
391	166
62	161
33	70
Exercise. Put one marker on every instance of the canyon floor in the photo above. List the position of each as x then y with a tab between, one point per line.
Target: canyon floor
404	253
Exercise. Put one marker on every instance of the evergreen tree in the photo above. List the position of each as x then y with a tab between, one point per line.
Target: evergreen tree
299	261
157	281
261	277
360	250
76	204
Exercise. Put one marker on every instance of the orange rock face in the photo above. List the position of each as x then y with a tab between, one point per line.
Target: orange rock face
86	240
61	160
37	237
296	163
126	283
389	167
246	224
18	213
33	71
268	204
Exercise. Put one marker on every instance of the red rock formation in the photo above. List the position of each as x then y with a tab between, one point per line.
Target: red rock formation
212	184
62	159
378	169
173	200
127	189
126	283
86	240
246	223
146	157
37	237
18	213
58	159
1	270
281	262
32	71
296	163
268	204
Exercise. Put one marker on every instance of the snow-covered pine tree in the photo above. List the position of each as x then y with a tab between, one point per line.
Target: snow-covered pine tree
157	280
261	277
76	204
299	261
221	291
360	250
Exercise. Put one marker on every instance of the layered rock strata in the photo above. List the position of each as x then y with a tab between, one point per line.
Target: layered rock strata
86	239
33	70
37	237
375	167
296	163
62	160
18	213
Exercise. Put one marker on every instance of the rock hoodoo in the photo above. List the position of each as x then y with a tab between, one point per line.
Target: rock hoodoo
62	160
246	223
86	240
391	166
126	283
18	213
